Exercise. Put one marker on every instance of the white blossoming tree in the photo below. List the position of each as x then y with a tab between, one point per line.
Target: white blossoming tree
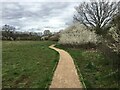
78	34
116	37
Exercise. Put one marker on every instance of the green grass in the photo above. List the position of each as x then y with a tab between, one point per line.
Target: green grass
95	68
27	64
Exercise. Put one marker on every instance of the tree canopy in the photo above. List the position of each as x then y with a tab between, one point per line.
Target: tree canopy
96	14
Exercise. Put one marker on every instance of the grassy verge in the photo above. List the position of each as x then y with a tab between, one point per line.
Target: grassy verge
27	64
95	68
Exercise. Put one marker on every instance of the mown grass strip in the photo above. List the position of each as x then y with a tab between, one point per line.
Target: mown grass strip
80	75
54	68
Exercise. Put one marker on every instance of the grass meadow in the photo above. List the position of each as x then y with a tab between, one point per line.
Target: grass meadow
94	68
27	64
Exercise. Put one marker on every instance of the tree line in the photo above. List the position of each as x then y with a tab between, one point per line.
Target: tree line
9	33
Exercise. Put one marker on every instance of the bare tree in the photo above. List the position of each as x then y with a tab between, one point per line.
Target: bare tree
96	14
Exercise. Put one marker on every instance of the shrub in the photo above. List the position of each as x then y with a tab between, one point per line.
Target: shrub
115	35
54	38
78	34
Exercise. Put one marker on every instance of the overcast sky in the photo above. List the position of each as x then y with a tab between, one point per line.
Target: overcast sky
38	16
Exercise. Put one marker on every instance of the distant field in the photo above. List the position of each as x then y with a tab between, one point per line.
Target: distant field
27	64
96	69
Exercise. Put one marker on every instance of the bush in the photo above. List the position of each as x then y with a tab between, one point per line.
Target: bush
78	34
54	37
114	34
114	43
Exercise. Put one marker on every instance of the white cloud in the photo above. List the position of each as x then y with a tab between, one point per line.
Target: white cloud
45	0
40	15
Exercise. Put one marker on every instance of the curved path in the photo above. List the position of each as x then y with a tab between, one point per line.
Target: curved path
65	75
